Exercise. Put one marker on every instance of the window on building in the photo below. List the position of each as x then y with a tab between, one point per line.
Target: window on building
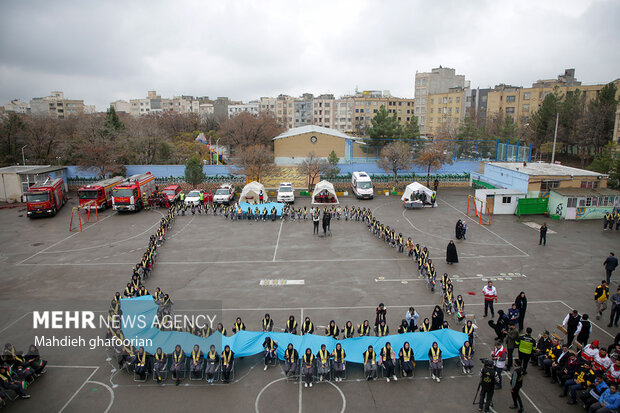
510	110
445	100
511	98
432	101
430	120
450	111
526	108
548	185
374	111
526	96
408	118
399	118
571	203
422	119
457	109
506	199
417	82
400	103
450	100
589	184
356	111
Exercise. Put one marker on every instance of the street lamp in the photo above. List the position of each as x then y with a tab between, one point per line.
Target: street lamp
217	151
23	156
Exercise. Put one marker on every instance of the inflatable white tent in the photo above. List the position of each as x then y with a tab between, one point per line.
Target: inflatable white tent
411	197
324	194
251	192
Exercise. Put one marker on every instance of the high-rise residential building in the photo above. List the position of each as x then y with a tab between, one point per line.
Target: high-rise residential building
17	106
478	107
367	103
445	111
438	81
344	109
323	112
56	106
303	110
520	103
267	104
285	110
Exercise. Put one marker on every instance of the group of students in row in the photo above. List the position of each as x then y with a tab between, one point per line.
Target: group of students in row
18	370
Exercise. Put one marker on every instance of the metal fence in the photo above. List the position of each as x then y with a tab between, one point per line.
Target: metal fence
458	149
442	178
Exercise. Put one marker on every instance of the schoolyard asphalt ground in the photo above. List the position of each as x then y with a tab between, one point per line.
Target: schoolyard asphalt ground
345	276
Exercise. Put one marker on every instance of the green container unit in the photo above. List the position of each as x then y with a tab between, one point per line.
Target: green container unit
532	206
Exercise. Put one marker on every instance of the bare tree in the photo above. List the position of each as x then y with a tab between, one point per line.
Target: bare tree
95	150
313	167
433	157
42	136
395	156
246	129
255	161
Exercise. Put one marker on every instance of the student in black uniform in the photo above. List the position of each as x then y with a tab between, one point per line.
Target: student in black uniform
307	364
228	357
270	347
291	325
332	330
307	327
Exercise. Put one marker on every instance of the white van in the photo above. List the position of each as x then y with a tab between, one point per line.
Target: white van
362	185
286	193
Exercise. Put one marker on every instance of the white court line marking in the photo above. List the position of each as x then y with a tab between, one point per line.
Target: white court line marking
525	254
109	243
260	393
14	322
111	394
424	279
278	241
72	367
78	390
523	393
344	399
591	322
444	238
62	240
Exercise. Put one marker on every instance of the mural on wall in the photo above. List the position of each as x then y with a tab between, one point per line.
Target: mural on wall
559	209
544	194
592	212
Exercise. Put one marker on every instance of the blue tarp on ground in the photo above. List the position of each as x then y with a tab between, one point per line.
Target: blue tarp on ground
279	206
248	343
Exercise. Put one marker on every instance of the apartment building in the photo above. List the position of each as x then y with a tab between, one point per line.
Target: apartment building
154	103
16	106
323	111
367	104
438	81
446	111
520	103
251	107
57	107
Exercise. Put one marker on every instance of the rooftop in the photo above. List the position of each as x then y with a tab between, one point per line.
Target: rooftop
313	129
545	169
30	169
586	191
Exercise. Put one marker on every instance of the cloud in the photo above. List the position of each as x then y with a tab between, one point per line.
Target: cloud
103	51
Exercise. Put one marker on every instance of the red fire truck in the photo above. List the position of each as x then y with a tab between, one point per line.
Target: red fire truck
46	198
99	194
131	194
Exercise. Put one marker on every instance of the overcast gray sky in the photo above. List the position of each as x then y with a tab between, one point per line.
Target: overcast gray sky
101	51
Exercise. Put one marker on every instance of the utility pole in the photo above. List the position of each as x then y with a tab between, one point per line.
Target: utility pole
555	137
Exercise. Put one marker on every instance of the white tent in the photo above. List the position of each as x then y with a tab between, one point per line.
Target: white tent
251	192
416	189
324	188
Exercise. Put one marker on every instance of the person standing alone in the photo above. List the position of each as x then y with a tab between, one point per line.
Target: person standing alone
543	234
315	221
490	296
610	264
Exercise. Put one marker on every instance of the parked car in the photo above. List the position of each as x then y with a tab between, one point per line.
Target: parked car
286	193
193	197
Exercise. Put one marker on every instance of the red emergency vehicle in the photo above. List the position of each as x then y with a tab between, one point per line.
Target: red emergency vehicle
172	192
46	198
99	194
133	192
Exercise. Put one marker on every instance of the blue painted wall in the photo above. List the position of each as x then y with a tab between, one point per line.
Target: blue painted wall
505	178
160	171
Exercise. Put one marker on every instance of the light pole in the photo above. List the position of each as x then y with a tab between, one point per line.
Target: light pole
555	137
23	156
217	151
